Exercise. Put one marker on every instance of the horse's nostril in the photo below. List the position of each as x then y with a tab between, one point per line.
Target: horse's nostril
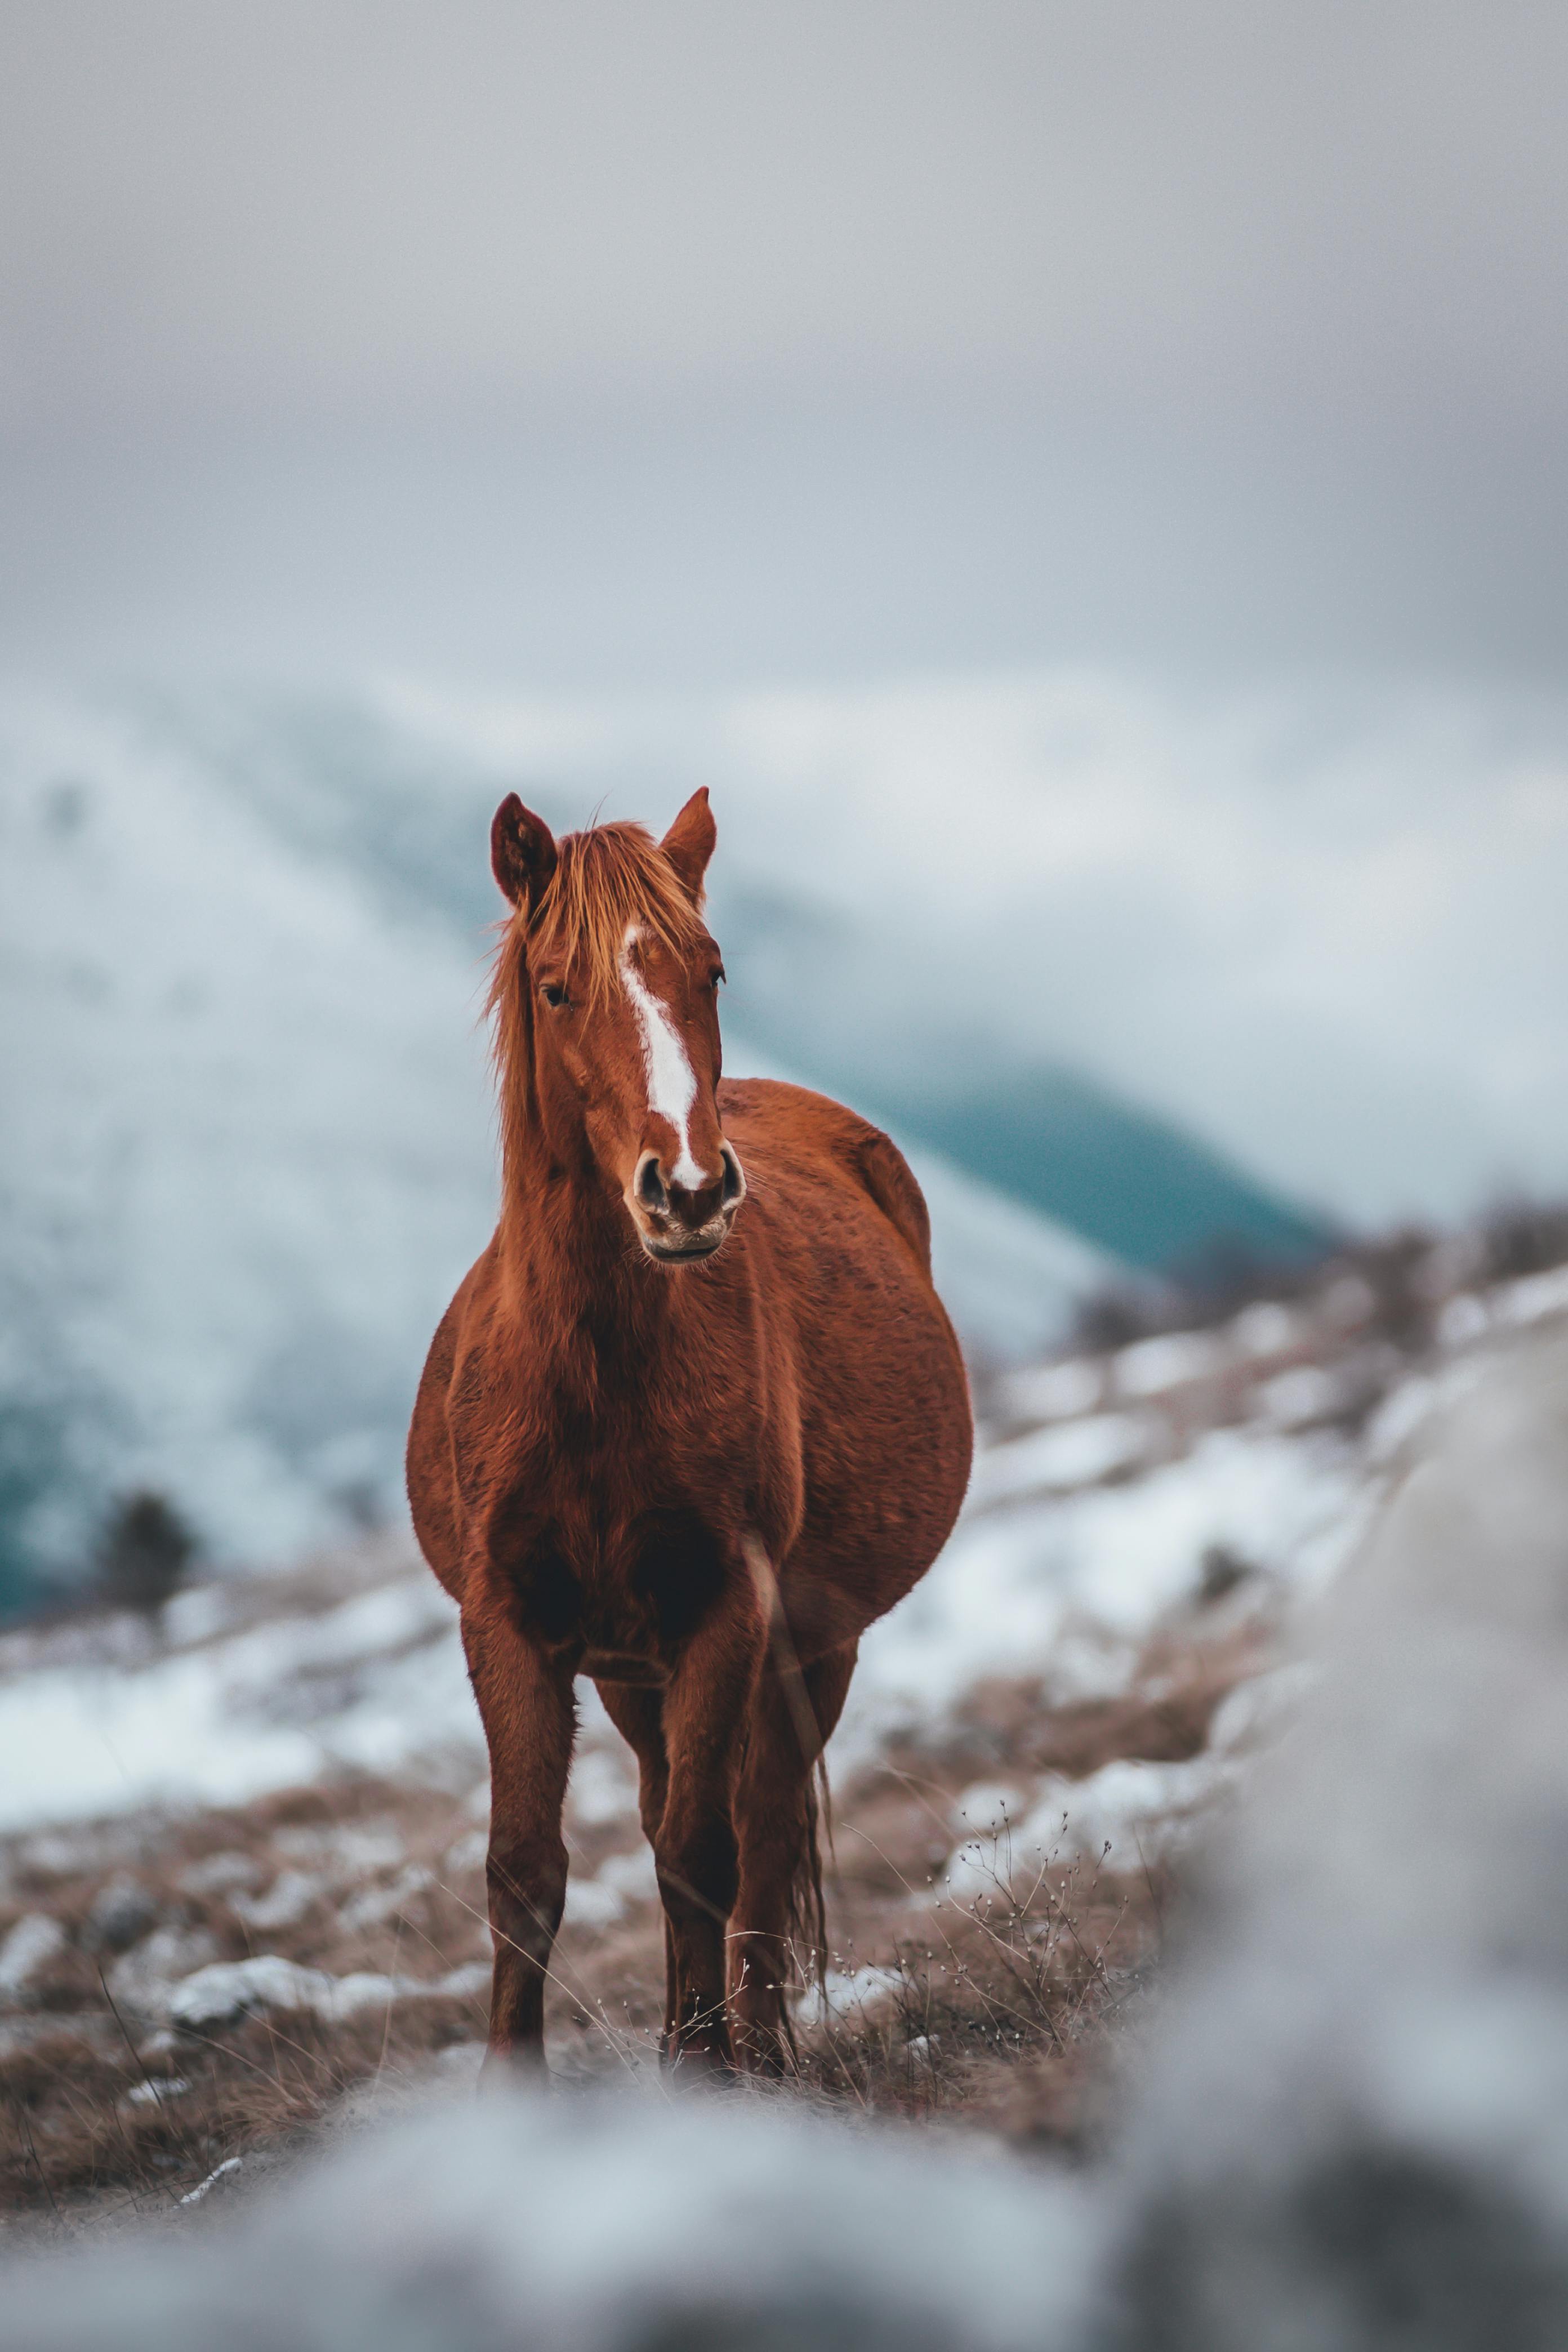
734	1183
651	1189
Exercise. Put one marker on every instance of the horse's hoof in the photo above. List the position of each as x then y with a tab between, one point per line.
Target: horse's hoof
697	2065
503	2073
764	2059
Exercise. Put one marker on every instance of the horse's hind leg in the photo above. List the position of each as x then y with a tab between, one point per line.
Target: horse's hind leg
707	1713
795	1711
639	1716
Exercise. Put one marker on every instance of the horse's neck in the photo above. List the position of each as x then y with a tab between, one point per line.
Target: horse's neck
571	1263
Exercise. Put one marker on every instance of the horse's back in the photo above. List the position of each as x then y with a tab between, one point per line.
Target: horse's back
786	1122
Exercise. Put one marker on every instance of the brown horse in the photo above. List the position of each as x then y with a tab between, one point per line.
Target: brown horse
693	1421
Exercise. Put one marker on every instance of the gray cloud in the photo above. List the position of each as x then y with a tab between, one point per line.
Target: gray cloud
1244	327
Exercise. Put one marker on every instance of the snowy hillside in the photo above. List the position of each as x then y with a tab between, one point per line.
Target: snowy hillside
1193	1480
1315	924
245	1159
872	949
263	1823
1310	927
249	1154
1054	930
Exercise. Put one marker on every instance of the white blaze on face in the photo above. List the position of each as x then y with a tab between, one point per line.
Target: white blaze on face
671	1081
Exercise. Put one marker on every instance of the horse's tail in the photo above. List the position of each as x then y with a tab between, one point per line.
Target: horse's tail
807	1909
807	1923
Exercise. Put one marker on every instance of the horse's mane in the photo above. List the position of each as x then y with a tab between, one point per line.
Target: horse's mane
606	878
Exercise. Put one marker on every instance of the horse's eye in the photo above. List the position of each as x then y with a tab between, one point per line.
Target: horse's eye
718	978
554	995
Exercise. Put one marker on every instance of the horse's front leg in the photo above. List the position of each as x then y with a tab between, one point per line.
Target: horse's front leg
639	1716
706	1709
527	1707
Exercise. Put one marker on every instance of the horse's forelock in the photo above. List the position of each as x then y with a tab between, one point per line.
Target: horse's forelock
606	880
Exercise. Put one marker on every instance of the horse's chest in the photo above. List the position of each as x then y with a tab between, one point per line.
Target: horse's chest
631	1591
608	1519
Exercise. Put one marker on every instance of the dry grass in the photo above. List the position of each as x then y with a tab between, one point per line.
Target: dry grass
995	2011
1009	1723
85	2123
89	2111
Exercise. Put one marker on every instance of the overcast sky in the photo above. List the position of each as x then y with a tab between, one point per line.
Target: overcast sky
599	342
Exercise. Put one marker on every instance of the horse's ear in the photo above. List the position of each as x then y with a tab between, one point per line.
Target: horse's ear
688	844
523	853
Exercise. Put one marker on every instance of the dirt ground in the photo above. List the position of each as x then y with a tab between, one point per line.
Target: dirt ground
992	2005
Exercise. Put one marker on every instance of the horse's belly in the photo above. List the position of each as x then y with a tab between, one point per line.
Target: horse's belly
886	1458
622	1666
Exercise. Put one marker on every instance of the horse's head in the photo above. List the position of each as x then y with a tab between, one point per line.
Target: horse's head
605	994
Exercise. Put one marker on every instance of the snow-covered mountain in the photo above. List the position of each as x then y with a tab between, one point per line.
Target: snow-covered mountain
1092	950
1309	932
249	1151
244	1155
898	964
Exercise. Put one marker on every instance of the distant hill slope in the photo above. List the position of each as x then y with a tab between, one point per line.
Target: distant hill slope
245	1157
1133	1184
247	1151
829	995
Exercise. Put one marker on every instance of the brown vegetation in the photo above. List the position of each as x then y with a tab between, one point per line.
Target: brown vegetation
985	2012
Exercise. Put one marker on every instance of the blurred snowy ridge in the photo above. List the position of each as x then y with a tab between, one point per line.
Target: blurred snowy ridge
1055	926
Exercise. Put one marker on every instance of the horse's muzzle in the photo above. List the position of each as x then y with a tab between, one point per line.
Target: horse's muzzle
678	1226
